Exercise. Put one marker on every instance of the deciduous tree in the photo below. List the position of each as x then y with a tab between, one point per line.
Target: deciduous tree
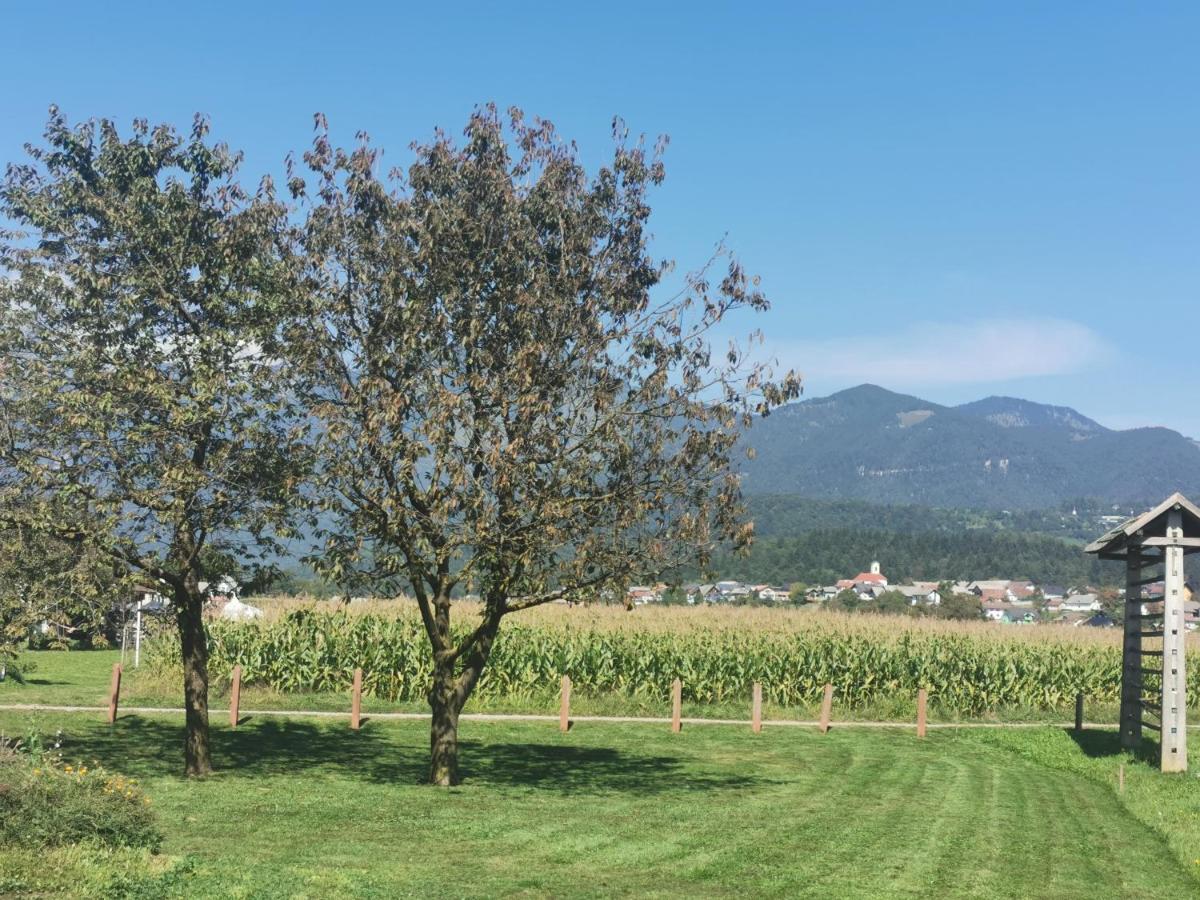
144	413
510	399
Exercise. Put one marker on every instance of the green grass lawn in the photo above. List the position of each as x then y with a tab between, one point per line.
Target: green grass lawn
307	808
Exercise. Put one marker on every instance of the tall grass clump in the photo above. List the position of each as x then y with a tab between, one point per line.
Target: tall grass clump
967	669
47	802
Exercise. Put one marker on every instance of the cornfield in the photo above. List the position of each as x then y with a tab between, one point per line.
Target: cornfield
717	654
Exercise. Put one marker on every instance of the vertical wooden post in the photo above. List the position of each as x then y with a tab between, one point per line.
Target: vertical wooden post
676	705
922	700
564	709
1079	712
114	694
756	710
826	708
1174	683
235	696
356	700
1121	779
1131	654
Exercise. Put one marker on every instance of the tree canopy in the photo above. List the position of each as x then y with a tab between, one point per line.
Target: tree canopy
508	397
143	411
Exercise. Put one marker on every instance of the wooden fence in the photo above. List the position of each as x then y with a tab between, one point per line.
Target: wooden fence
564	709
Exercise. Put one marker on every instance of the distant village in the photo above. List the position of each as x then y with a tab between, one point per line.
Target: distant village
1004	601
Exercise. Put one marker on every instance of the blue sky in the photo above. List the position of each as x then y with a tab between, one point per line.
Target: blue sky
949	199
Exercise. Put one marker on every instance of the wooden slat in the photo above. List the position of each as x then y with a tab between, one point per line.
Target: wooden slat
922	700
1153	579
756	709
1170	542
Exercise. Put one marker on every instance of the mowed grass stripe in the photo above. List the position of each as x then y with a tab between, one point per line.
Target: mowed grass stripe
306	808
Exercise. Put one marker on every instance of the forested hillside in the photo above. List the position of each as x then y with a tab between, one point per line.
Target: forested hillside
873	445
823	556
790	514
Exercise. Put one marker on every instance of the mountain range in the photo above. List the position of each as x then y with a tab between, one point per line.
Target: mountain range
871	444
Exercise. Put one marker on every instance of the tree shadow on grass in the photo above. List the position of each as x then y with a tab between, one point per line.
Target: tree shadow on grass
580	770
146	747
1098	744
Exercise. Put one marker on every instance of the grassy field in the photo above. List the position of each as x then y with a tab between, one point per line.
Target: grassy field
304	808
307	808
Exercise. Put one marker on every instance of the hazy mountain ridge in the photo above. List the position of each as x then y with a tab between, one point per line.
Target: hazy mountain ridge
871	444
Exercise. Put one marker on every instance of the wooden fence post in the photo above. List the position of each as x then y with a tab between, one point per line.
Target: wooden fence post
114	693
676	705
826	708
1079	712
356	700
235	696
564	709
1121	779
922	699
756	710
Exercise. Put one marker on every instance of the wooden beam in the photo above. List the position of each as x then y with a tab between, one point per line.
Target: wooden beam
1131	659
826	708
564	706
756	709
922	700
1170	542
235	696
1173	743
1142	582
114	693
356	701
676	705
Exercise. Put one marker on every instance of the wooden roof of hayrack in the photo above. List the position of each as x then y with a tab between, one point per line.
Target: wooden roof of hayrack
1149	530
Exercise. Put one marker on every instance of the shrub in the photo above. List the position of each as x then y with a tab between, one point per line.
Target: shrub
45	802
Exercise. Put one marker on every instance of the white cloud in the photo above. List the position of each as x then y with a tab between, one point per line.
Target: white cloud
934	353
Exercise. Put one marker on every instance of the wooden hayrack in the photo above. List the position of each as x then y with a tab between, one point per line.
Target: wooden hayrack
1153	672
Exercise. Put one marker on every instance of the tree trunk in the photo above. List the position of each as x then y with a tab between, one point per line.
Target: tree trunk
443	733
448	697
189	613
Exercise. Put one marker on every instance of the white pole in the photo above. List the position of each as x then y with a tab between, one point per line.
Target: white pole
137	639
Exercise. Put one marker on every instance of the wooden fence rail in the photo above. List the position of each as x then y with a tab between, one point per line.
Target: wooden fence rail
565	721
